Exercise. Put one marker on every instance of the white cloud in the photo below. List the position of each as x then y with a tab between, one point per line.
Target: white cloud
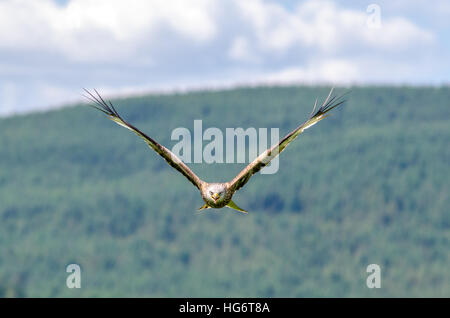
49	51
322	25
103	29
114	29
326	71
240	50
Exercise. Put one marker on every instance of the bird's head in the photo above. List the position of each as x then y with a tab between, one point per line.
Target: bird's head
216	192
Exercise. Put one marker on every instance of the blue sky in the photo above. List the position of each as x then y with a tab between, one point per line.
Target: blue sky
50	49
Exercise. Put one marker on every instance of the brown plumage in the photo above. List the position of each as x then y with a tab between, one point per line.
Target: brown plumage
218	195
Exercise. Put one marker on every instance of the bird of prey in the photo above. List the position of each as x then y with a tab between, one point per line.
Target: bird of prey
218	195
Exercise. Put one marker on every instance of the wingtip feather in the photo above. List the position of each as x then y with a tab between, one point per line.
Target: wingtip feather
100	104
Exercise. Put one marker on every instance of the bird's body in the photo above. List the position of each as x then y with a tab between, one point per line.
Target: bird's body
219	195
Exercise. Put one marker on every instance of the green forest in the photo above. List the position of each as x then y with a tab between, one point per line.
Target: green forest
368	185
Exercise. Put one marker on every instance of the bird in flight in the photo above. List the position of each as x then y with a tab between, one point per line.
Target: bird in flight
218	195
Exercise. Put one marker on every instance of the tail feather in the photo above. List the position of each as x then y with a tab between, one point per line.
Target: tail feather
233	205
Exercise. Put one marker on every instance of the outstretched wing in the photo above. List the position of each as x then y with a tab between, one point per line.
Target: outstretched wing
264	158
169	156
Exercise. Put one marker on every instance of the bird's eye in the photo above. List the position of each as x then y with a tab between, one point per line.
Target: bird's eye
210	192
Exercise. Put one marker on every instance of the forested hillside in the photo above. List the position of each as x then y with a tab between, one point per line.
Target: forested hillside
368	185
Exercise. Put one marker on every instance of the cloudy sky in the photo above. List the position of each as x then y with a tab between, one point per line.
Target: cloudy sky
50	49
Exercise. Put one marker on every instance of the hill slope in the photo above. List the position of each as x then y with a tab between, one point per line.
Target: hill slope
367	185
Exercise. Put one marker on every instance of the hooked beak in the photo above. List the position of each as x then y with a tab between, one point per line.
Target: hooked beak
215	196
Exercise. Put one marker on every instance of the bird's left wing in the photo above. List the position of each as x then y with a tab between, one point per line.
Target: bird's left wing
264	158
170	157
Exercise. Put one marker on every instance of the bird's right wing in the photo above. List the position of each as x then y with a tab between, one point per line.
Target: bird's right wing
169	156
264	158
